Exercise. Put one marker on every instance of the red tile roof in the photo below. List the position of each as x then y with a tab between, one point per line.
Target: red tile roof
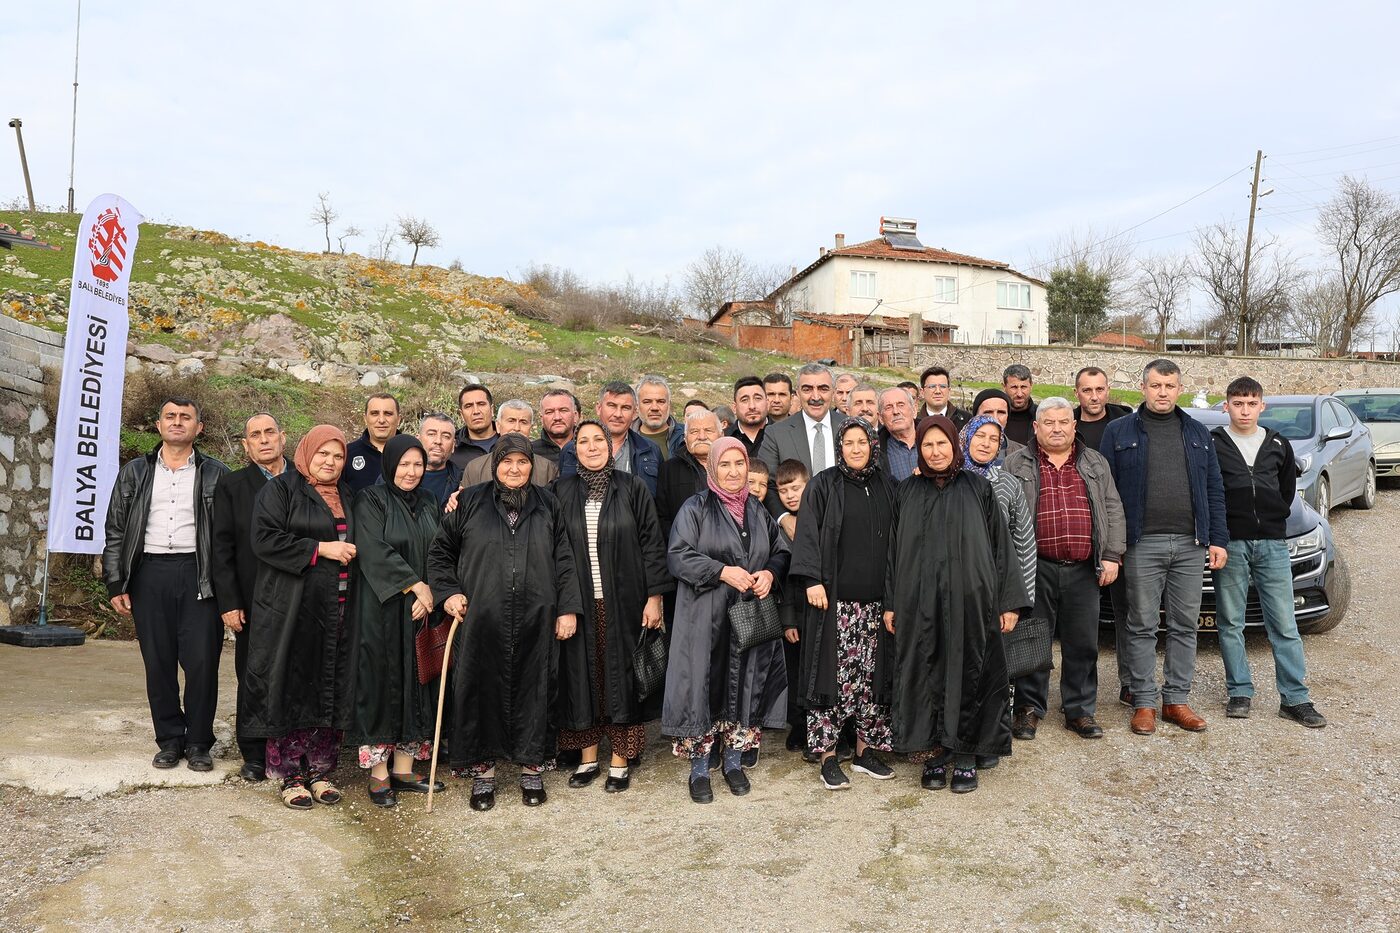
880	248
869	322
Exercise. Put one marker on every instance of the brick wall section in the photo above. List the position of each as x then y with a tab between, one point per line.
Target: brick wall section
26	464
1278	375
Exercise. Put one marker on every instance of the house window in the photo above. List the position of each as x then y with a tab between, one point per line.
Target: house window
1014	295
945	289
1010	336
862	285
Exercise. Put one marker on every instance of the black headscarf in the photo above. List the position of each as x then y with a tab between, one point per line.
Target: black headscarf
926	470
512	499
990	393
394	450
872	466
596	480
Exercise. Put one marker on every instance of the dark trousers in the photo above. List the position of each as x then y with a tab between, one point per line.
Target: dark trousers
176	630
1068	595
254	750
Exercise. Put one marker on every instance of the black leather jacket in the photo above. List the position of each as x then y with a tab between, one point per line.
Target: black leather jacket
131	504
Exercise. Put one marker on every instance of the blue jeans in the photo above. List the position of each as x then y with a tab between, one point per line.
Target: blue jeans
1266	561
1164	571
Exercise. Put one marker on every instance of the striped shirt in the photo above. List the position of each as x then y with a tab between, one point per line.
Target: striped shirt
592	510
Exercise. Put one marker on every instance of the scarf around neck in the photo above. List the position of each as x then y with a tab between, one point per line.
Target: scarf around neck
734	502
872	466
513	500
312	442
596	480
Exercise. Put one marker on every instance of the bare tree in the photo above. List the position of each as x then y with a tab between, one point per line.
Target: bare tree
1161	285
1361	225
1105	253
1273	277
383	242
348	233
324	215
418	233
1317	311
721	275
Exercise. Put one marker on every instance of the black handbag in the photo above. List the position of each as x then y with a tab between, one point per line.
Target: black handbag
754	621
1028	647
649	662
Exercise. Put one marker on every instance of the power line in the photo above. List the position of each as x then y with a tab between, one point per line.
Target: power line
1347	155
1368	142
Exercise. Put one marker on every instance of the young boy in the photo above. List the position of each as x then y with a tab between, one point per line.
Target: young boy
792	479
758	479
1256	465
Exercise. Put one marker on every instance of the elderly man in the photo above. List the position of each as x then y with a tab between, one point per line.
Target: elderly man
514	417
654	419
363	455
844	384
632	453
936	386
811	436
1168	476
559	414
683	475
478	433
898	454
235	567
1016	382
1080	538
865	404
777	388
437	434
750	413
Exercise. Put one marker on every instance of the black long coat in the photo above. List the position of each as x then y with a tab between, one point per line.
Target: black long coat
632	555
816	558
679	478
708	679
296	676
385	704
950	575
517	582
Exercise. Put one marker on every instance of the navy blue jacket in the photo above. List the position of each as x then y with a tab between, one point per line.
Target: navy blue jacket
1125	448
646	460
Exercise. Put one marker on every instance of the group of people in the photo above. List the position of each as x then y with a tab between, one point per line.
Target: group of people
827	557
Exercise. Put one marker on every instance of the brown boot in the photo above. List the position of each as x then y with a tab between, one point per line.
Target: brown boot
1145	720
1180	714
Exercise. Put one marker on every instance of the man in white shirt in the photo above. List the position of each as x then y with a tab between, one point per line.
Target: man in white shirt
809	438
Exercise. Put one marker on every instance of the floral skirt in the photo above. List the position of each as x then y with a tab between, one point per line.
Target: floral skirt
371	755
857	635
626	741
740	738
303	751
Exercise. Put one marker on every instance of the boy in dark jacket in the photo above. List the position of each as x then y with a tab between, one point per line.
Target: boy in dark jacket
1260	479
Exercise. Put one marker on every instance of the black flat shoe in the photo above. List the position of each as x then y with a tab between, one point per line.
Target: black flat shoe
987	762
935	777
533	796
749	759
964	780
738	782
385	798
584	778
700	791
483	800
253	772
569	758
634	762
616	785
167	758
197	758
414	784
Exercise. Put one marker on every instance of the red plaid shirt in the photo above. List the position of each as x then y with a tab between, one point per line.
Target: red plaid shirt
1064	525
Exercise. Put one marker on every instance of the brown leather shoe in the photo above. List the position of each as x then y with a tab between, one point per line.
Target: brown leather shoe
1023	723
1179	714
1145	720
1085	727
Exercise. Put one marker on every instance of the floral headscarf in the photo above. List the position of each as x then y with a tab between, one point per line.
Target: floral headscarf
971	428
872	466
734	502
596	480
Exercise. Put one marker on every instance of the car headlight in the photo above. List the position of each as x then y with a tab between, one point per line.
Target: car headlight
1304	463
1391	449
1306	543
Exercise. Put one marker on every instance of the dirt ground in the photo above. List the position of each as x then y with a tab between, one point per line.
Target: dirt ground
1253	825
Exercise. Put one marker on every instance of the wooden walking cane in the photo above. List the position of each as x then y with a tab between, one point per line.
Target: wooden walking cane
442	693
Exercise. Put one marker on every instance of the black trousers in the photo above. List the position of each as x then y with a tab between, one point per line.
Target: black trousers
1068	595
177	630
254	750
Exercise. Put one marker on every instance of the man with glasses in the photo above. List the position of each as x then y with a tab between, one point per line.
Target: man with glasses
936	385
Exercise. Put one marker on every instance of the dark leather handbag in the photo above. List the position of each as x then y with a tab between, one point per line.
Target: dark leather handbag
1028	647
649	662
429	645
754	621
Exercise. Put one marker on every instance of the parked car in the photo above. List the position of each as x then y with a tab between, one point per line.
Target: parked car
1321	582
1336	462
1379	410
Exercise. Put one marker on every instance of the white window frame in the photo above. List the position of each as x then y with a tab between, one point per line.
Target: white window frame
945	289
863	284
1004	295
1010	337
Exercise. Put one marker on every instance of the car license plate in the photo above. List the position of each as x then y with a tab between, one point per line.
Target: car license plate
1208	621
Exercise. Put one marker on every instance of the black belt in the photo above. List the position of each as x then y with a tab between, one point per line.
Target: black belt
1065	563
178	555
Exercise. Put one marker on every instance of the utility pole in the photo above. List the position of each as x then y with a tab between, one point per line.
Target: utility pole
24	163
1241	342
73	144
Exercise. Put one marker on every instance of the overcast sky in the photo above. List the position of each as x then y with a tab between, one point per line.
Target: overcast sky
616	138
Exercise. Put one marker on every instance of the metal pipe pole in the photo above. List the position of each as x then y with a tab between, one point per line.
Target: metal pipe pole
24	162
73	144
1242	344
44	594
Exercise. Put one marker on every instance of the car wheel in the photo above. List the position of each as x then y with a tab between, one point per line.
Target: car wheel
1324	496
1367	499
1338	599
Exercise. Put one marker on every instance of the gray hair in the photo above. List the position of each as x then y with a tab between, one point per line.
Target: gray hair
1162	367
435	416
651	379
816	369
1051	404
515	404
847	376
696	413
880	399
867	387
257	414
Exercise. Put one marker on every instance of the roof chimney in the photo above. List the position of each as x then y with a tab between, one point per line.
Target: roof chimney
840	241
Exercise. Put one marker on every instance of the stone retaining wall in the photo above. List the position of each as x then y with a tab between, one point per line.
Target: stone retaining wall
1278	375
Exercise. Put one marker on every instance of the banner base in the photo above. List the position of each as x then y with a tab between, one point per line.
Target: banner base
41	636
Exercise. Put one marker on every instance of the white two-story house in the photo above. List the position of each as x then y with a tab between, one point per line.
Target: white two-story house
894	276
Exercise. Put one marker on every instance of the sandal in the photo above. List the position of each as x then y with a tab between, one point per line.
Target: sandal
294	794
323	791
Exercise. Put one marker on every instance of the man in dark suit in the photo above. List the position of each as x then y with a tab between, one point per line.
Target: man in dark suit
234	565
809	437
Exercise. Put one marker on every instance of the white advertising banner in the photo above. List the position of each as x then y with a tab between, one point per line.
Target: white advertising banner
87	431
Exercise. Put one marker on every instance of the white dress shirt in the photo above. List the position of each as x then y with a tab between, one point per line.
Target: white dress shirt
828	441
170	521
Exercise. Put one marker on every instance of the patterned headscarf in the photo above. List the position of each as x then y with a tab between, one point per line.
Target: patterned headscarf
872	466
926	470
512	499
734	502
971	428
312	442
596	480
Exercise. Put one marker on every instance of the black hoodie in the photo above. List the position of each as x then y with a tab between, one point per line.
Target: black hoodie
1257	499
